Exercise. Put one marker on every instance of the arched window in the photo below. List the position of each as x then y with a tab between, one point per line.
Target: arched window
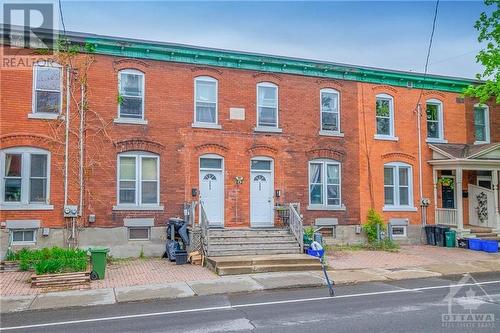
138	179
481	123
384	113
131	94
324	183
330	110
434	116
398	186
47	90
205	101
267	105
25	178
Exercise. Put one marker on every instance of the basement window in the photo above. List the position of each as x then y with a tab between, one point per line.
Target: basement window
23	237
138	233
398	231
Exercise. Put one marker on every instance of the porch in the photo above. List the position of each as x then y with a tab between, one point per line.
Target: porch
465	185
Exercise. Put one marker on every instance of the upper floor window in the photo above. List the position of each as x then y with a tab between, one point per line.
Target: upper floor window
47	89
267	105
205	91
324	183
384	112
138	179
330	111
481	123
25	176
398	186
434	113
131	94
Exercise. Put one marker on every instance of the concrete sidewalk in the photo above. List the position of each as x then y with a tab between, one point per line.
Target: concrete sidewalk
236	284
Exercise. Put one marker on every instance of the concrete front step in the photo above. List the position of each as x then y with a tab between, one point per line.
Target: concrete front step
253	252
232	270
248	232
251	240
485	234
255	246
497	238
245	264
476	229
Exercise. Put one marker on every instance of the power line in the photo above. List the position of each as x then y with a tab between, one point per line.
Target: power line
62	17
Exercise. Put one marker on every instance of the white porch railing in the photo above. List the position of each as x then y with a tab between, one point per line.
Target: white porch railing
296	226
447	216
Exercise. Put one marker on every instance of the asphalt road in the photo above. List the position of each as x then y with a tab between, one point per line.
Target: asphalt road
421	305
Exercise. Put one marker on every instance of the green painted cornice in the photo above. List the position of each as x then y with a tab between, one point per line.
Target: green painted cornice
132	48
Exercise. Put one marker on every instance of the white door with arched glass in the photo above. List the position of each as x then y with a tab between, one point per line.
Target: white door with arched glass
261	192
212	189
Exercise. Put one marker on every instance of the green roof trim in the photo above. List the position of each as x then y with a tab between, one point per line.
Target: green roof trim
131	48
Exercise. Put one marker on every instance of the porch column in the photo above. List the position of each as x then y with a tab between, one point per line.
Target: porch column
494	180
434	186
459	199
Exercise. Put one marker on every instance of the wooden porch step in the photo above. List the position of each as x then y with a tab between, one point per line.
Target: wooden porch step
245	264
477	229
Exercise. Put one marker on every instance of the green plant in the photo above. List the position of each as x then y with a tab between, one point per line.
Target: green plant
141	254
119	99
51	260
373	225
447	182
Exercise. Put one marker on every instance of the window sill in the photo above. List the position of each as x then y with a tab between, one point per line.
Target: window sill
331	133
481	142
434	140
385	137
206	125
134	207
23	243
399	209
323	207
45	116
268	129
130	121
19	206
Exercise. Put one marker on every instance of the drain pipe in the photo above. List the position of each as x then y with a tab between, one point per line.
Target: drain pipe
423	209
66	138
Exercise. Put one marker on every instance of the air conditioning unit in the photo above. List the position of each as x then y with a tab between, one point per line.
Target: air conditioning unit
70	211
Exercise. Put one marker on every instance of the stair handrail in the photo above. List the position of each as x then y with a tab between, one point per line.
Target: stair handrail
204	226
296	225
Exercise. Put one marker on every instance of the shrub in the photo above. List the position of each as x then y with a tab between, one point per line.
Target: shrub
51	260
373	220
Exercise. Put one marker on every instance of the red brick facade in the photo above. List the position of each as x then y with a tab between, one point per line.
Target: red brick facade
169	95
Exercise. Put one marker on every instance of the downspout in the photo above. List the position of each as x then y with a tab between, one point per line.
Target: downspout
423	209
66	138
82	116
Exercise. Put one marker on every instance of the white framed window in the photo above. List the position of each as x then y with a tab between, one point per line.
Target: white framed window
139	233
47	90
138	180
324	184
434	116
384	114
330	110
25	182
205	101
131	95
398	187
481	123
23	236
267	106
398	231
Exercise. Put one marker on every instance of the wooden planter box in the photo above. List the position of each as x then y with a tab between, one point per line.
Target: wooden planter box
9	266
63	280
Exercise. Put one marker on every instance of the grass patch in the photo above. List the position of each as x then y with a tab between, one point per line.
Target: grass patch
386	245
51	260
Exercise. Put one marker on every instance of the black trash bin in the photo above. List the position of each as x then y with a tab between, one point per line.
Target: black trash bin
430	234
440	235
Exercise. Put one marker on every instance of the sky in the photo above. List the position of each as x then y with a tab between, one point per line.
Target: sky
392	34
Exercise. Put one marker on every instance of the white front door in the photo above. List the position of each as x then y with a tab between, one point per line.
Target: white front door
261	194
212	192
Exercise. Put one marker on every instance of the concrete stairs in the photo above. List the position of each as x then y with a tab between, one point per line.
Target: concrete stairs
231	265
238	242
483	233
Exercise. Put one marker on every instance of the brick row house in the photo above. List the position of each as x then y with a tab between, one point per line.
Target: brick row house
130	132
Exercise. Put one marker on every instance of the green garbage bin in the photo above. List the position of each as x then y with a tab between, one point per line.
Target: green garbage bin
450	238
98	258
